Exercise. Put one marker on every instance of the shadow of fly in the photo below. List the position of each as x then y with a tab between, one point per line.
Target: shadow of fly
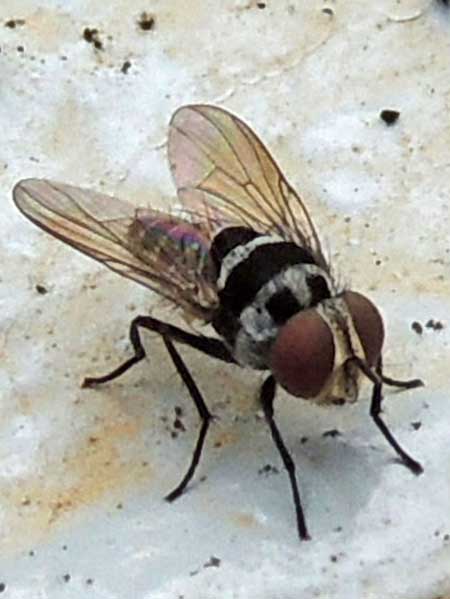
243	256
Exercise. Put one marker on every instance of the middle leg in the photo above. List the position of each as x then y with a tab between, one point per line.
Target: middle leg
267	397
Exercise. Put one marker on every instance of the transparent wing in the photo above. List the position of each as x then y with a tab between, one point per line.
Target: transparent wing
221	168
165	253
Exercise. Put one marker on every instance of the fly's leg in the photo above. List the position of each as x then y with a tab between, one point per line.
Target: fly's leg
375	410
411	384
208	345
203	412
139	354
267	396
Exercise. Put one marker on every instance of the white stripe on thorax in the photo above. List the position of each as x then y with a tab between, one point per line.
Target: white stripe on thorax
242	252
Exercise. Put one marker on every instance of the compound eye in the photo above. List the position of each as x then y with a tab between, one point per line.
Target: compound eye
302	357
368	324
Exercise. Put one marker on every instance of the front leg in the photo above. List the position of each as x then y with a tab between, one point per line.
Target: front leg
375	409
411	384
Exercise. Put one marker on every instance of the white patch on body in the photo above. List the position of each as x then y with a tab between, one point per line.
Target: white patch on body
242	252
258	329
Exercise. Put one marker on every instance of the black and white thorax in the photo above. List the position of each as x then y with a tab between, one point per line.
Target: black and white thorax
262	282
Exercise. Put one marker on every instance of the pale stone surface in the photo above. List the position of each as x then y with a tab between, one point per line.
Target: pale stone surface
83	472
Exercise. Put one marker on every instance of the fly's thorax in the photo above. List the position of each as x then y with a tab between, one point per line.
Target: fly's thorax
262	282
312	356
288	293
241	252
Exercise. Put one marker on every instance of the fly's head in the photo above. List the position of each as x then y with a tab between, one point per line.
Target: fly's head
312	354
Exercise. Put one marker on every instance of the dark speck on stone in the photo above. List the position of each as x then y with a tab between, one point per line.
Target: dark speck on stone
417	327
268	469
389	116
41	289
332	433
146	21
125	67
13	23
91	36
214	562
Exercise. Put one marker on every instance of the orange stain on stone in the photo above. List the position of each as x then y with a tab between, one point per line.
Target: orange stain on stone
244	520
90	470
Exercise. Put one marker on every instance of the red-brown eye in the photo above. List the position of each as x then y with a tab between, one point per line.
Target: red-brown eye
368	325
302	357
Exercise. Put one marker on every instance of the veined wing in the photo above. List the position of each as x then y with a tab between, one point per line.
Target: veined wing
165	253
221	168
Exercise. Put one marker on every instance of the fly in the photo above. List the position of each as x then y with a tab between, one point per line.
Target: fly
245	258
